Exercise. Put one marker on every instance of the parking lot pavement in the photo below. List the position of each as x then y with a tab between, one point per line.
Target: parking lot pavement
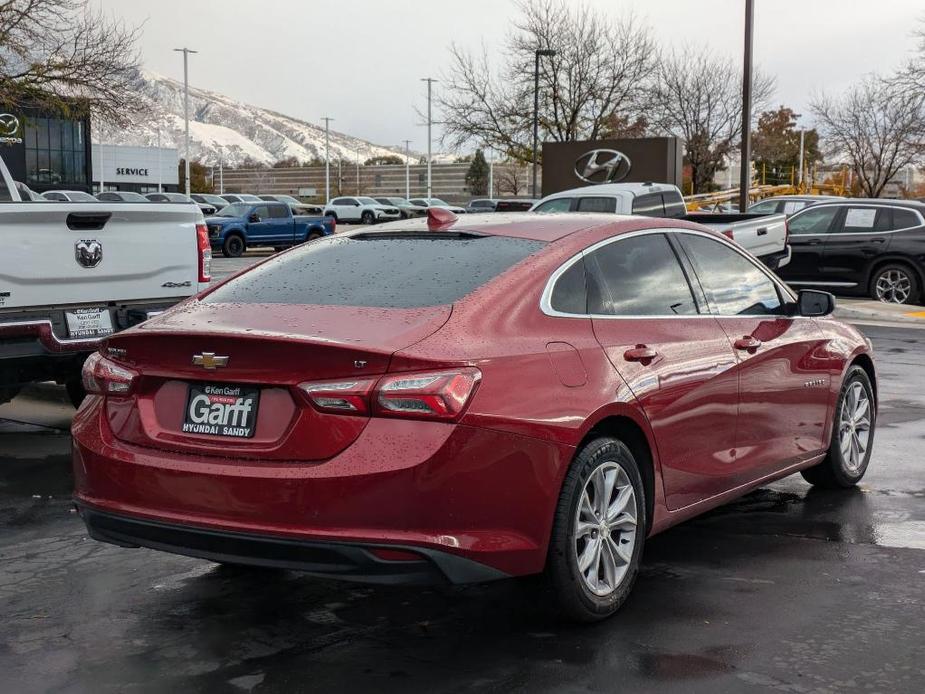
788	589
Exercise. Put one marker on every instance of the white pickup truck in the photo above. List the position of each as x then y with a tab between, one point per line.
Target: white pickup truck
72	273
762	235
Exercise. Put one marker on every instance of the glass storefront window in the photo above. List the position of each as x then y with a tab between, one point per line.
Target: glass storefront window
55	152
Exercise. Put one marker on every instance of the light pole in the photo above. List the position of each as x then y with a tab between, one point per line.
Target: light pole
536	107
327	159
745	174
221	170
491	172
186	52
159	167
358	171
407	168
430	81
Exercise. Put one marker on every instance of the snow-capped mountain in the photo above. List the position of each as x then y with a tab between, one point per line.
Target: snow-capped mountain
222	126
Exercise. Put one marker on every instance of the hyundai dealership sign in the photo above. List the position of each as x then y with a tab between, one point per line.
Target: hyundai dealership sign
633	160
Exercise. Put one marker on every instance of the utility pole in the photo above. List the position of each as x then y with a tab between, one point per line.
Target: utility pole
745	175
407	168
327	158
358	171
159	167
186	52
536	110
221	170
800	174
491	172
430	81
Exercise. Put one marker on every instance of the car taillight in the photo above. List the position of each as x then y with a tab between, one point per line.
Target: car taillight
333	221
728	234
342	397
205	253
786	234
101	376
441	395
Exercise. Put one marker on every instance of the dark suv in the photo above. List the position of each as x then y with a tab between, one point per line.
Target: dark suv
861	247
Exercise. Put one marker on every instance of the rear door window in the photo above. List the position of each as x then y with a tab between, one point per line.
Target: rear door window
792	206
596	204
555	205
650	205
638	276
765	207
410	270
569	295
861	220
674	204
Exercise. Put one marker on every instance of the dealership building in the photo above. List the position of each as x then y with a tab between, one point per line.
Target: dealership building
138	169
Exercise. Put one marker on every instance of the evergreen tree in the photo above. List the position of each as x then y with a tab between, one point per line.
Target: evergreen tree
477	175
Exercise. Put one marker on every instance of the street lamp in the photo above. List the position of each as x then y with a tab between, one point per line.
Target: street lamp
221	170
536	106
430	81
186	52
327	159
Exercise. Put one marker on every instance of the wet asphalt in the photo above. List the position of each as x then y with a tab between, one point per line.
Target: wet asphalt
789	589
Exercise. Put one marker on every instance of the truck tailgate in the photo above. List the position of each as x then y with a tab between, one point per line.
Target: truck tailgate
760	235
96	252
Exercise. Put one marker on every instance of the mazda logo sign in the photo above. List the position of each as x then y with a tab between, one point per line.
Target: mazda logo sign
88	253
602	166
9	124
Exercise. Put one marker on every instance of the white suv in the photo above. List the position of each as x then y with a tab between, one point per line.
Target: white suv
362	210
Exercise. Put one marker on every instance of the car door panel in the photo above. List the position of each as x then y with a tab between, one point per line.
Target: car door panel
808	232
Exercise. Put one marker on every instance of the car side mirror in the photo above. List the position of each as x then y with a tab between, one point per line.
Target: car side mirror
814	303
254	218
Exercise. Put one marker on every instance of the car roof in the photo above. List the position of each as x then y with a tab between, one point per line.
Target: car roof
801	197
615	189
886	202
524	225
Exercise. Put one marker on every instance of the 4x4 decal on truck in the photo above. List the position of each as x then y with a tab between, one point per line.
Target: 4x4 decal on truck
88	253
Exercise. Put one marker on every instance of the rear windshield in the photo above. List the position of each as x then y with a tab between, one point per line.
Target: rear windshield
398	271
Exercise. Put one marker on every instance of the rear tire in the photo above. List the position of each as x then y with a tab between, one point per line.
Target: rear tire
852	435
312	236
894	283
233	247
598	532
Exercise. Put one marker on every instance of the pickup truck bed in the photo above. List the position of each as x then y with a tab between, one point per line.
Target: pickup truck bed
764	235
72	273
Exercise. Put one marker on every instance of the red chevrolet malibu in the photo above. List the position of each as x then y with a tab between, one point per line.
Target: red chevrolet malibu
474	399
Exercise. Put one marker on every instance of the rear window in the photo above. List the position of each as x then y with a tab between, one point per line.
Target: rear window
394	271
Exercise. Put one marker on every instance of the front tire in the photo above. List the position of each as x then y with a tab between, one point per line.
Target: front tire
852	435
368	217
598	532
894	284
233	247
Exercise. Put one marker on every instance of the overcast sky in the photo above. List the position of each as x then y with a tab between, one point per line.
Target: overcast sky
360	61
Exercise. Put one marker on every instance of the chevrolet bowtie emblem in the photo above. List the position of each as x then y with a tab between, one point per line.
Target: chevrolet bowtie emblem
209	360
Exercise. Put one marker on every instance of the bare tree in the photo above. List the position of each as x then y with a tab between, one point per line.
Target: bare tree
58	53
697	96
510	179
591	82
878	126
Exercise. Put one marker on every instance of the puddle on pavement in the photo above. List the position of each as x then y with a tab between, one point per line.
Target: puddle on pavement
904	534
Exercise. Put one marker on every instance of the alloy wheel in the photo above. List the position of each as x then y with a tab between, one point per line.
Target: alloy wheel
894	286
604	528
854	425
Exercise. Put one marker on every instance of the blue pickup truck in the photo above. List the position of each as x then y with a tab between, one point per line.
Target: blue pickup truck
245	224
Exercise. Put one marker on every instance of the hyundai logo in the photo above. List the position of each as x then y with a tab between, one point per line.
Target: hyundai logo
9	124
602	166
88	253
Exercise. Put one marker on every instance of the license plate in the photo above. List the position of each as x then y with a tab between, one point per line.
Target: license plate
88	322
216	409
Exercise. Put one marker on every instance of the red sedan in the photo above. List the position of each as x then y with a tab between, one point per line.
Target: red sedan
487	397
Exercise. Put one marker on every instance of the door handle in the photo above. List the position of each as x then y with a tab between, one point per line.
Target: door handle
763	231
878	240
747	343
814	242
640	353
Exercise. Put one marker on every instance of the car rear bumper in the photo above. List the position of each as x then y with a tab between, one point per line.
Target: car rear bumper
347	561
475	494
